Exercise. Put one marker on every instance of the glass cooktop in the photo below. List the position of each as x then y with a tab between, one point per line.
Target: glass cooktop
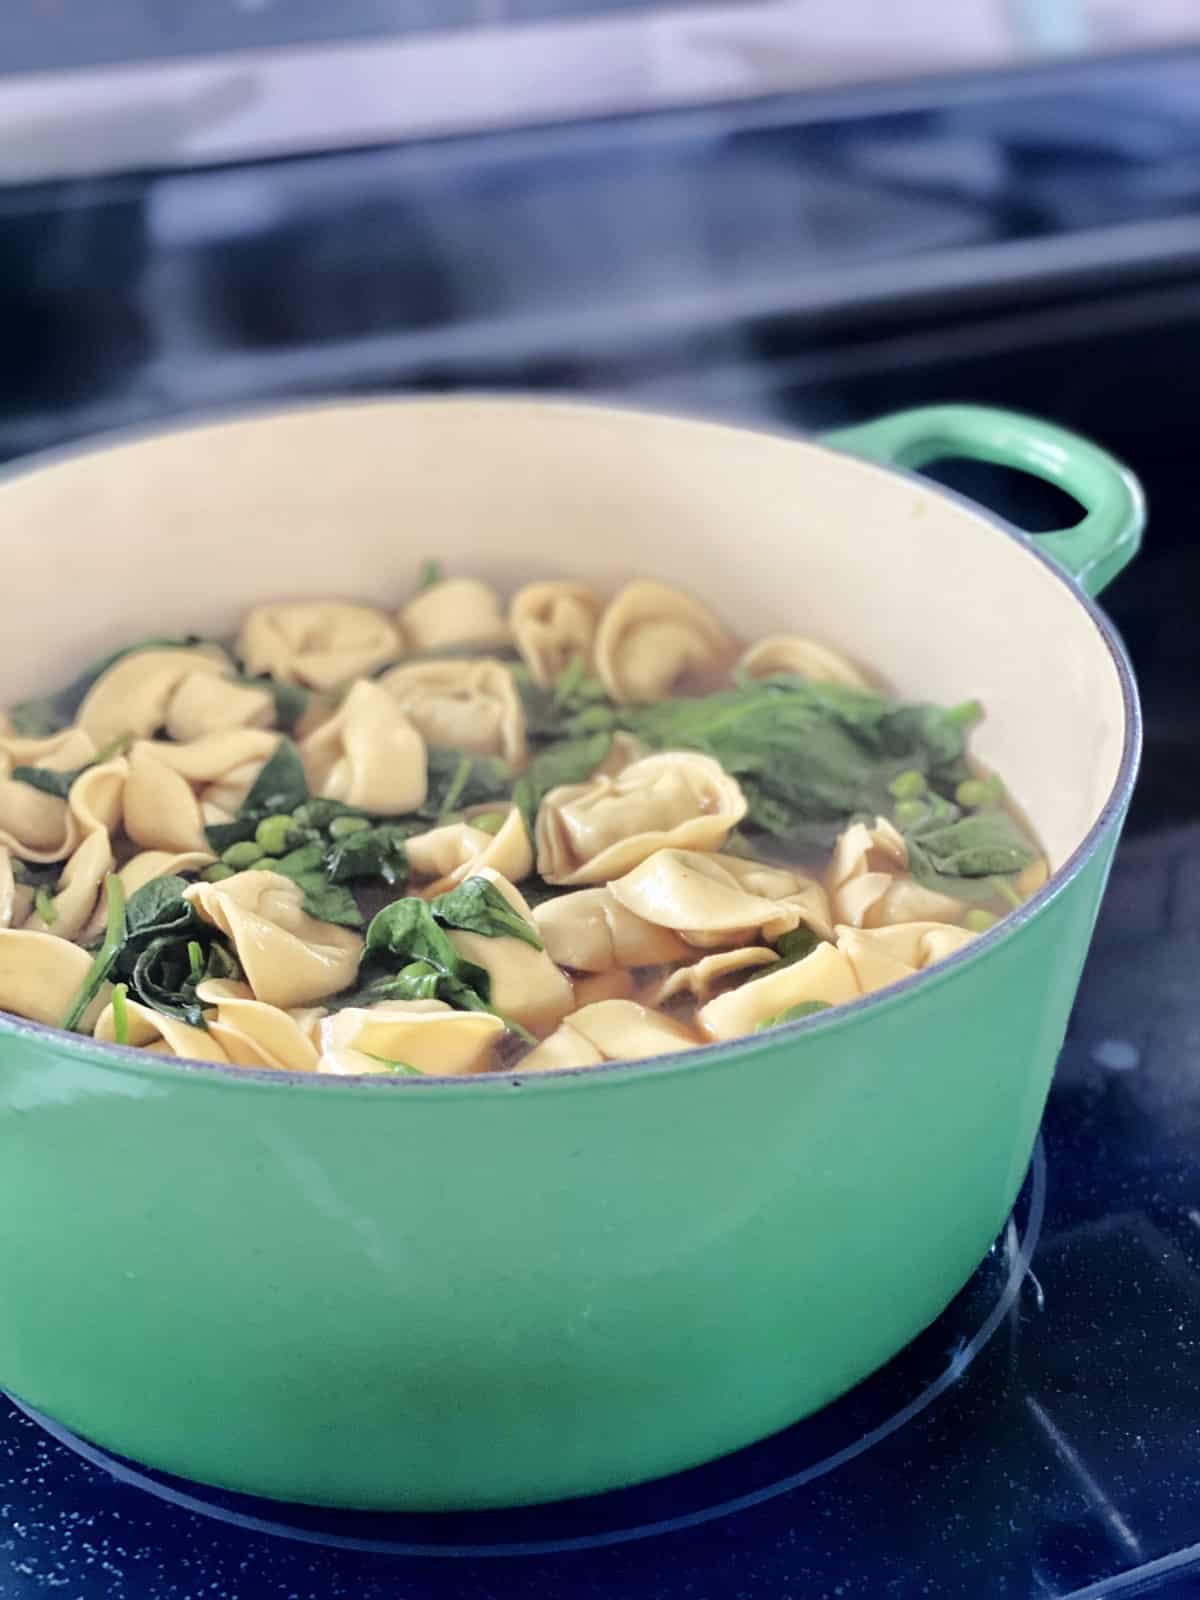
1039	1440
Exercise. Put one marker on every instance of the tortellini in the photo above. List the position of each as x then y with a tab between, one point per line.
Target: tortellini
592	832
41	975
708	976
162	1035
73	904
610	1030
173	790
471	706
205	703
827	975
289	958
860	962
368	755
553	625
525	983
805	658
318	643
651	636
590	930
881	956
15	898
132	698
455	613
424	1036
34	825
251	1033
457	851
869	886
715	900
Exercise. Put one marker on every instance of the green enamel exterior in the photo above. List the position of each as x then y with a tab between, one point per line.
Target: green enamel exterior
496	1292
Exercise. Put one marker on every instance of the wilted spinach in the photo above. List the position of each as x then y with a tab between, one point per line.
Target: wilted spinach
280	787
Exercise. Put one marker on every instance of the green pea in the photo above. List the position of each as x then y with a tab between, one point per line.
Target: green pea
216	872
908	785
302	816
274	836
972	792
979	921
242	855
340	827
911	811
488	821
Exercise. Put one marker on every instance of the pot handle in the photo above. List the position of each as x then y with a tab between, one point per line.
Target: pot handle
1095	549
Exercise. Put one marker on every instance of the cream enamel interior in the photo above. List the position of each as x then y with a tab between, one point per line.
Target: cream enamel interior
184	531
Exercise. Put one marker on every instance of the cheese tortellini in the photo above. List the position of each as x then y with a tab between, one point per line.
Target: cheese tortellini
476	832
554	624
422	1036
651	636
592	832
321	644
869	884
455	614
805	658
472	706
458	850
368	755
289	958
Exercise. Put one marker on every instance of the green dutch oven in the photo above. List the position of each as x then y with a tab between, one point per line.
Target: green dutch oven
448	1293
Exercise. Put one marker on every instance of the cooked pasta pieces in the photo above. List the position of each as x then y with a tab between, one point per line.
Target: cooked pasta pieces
457	832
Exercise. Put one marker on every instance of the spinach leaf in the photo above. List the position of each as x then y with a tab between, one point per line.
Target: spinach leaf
477	906
281	786
409	932
550	710
457	781
978	845
408	928
807	752
370	853
160	947
165	974
44	715
291	701
53	781
794	946
570	762
47	779
802	1008
323	899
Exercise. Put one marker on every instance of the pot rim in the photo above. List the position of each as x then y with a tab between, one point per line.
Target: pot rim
713	1055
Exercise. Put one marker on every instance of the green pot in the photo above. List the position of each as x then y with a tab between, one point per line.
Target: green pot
447	1293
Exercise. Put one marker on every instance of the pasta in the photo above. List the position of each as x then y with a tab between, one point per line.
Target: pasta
553	625
481	834
289	958
591	832
471	706
418	1035
319	643
651	635
453	614
786	652
368	755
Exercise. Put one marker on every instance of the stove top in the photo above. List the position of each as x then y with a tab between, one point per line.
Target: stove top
1039	1440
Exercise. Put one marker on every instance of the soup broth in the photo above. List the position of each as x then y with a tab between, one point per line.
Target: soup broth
477	835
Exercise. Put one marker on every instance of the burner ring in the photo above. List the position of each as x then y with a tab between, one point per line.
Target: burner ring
1019	1249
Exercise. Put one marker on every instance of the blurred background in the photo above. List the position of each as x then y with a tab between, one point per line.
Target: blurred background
804	212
